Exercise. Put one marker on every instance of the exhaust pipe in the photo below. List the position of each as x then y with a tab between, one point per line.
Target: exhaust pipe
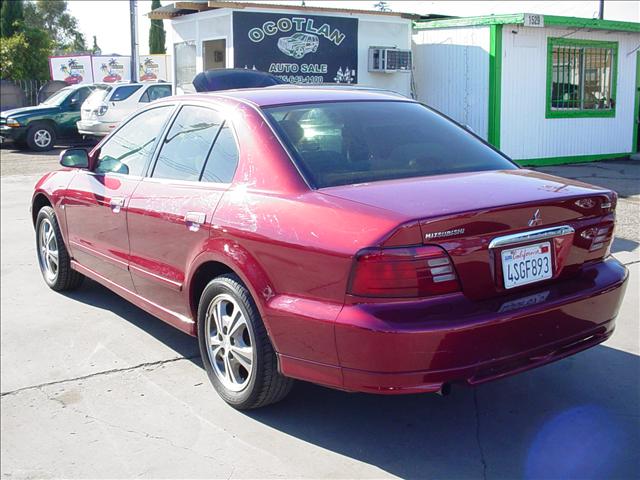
445	390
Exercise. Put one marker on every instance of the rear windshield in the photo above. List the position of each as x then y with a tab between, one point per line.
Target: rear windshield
97	96
122	93
342	143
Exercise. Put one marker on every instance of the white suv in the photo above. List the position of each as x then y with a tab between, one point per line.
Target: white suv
105	109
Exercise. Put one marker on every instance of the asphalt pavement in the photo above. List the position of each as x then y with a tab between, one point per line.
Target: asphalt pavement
93	387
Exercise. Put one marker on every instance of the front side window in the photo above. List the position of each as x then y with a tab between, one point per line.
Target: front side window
124	92
341	143
581	78
129	149
187	145
80	96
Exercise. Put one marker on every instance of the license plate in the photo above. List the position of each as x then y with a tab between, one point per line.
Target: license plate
525	265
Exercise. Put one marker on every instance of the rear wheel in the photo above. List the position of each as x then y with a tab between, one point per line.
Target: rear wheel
53	258
41	137
235	348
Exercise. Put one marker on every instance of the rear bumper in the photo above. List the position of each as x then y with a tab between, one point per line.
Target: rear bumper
95	128
409	347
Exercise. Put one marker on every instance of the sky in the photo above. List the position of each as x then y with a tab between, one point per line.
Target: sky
108	20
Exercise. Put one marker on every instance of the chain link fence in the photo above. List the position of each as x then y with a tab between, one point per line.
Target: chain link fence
30	89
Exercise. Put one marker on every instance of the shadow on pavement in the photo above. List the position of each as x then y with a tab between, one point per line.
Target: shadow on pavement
94	294
574	419
621	175
623	245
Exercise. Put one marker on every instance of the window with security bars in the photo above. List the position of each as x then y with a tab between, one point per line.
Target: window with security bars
581	78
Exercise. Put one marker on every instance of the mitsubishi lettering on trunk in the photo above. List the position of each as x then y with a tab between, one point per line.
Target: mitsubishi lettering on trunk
347	237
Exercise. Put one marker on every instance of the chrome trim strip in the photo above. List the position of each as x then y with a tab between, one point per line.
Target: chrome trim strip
153	276
103	256
120	290
531	236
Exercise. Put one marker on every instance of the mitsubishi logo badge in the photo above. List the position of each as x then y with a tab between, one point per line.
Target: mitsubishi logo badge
536	219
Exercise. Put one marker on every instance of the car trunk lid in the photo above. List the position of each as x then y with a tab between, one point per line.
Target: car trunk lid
464	213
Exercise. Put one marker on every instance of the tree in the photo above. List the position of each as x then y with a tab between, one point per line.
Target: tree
52	17
382	6
11	16
157	34
96	50
24	55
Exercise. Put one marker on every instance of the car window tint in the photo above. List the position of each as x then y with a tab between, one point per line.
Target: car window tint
155	92
159	91
128	150
124	92
223	159
187	145
74	97
80	96
84	93
341	143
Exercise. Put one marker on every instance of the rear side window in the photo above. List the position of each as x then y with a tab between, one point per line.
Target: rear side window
187	145
223	159
341	143
124	92
156	92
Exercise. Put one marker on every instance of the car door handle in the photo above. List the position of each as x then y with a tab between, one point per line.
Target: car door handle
116	204
194	220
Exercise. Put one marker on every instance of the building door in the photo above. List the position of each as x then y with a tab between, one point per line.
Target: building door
214	54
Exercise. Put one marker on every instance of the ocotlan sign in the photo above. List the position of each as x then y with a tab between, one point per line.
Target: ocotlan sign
297	24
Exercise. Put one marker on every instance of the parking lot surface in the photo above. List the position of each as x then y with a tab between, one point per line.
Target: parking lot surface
93	387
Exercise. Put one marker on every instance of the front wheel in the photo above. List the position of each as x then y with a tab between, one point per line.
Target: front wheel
235	348
53	258
41	137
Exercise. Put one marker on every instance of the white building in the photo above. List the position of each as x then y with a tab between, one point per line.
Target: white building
543	89
279	39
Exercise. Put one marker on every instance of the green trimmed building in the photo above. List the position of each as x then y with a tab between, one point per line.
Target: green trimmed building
544	89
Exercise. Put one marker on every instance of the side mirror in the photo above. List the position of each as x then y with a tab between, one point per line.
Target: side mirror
74	158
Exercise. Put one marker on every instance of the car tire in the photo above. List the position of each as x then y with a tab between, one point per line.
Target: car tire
230	330
57	273
41	137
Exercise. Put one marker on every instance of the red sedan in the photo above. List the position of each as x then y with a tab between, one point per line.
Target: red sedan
350	238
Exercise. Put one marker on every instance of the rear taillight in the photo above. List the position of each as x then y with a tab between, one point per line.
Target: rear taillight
409	272
599	237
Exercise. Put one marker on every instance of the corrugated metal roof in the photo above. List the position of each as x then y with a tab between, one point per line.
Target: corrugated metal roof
190	7
518	19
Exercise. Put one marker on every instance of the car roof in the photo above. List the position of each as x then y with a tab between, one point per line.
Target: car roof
283	95
125	84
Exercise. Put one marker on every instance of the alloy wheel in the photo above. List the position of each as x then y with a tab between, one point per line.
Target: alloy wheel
48	250
230	343
42	138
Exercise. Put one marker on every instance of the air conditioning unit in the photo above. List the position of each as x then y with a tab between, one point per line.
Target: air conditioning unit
389	59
